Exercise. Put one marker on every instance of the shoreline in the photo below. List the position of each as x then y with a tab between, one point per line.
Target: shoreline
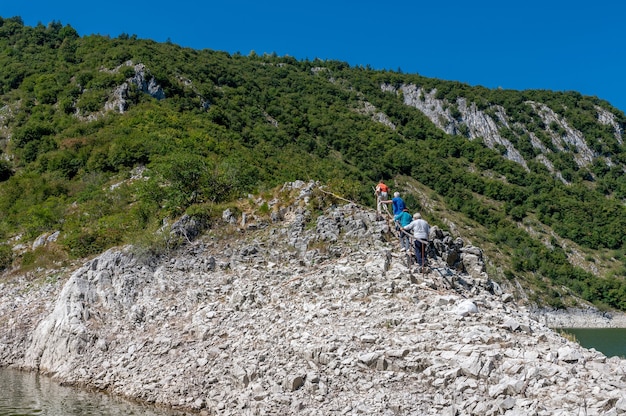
266	324
579	318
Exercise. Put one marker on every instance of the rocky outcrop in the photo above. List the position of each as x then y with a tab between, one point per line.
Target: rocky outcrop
142	80
563	136
580	318
308	313
472	123
465	118
608	119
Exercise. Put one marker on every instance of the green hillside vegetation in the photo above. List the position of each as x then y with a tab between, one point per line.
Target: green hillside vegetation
230	125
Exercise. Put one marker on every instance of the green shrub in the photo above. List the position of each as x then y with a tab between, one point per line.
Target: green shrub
91	241
92	101
6	170
206	214
6	256
264	209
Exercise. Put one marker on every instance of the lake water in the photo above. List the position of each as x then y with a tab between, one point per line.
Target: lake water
26	394
609	341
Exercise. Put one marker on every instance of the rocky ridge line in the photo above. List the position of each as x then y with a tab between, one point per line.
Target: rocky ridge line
474	123
303	316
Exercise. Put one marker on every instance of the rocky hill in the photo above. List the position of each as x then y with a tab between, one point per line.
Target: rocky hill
308	310
103	139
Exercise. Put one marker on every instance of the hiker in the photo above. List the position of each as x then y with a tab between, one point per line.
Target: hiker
382	195
397	204
421	229
402	220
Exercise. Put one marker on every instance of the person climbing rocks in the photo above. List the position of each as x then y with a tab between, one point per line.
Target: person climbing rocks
397	203
403	219
382	195
420	229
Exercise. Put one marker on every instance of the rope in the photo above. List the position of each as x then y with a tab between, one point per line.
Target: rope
387	213
347	200
387	216
401	231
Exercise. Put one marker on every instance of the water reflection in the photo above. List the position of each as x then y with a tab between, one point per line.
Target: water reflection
609	341
25	394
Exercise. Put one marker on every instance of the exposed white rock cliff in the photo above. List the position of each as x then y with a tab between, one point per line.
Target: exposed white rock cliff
291	319
564	137
378	116
465	118
607	118
141	79
473	123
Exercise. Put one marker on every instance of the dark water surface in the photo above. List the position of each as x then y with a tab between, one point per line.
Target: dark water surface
25	394
609	341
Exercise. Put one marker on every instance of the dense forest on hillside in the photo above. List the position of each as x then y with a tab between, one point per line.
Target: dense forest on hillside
106	139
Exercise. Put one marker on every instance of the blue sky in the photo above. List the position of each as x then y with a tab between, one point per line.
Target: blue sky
554	45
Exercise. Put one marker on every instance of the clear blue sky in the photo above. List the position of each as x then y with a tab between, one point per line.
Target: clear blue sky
556	45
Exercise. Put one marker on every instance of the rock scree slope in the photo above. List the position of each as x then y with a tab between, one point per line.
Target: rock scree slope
303	314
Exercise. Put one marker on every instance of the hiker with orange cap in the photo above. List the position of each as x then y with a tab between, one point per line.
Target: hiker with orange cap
382	194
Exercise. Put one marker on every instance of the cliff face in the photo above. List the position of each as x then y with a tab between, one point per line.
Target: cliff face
463	117
303	314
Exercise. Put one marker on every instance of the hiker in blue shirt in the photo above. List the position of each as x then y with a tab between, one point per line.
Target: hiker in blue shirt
402	220
397	203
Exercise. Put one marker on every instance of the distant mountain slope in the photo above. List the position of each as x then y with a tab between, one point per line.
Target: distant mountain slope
106	141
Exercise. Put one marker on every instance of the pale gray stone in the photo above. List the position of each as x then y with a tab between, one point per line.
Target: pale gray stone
369	358
293	382
276	322
466	307
569	354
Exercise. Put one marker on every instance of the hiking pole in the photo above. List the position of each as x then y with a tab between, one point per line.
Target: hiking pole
377	203
422	244
423	259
